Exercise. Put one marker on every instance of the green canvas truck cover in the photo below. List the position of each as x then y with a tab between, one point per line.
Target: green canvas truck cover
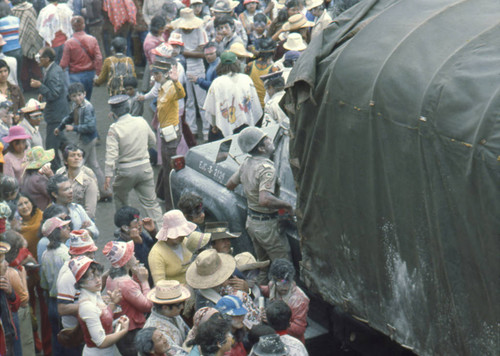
395	118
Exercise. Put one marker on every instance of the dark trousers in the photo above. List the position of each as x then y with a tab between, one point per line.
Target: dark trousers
168	150
126	345
53	141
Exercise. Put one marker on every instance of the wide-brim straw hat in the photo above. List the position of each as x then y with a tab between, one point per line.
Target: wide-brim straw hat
210	269
33	105
37	157
239	49
311	4
295	42
16	133
280	4
197	240
296	22
245	261
220	230
224	5
187	20
174	225
168	292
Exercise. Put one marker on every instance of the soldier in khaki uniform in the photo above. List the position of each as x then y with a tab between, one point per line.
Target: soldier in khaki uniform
258	177
127	155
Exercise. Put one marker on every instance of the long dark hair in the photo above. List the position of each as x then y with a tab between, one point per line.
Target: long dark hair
33	204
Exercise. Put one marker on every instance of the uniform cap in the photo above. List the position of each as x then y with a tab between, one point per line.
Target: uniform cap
118	99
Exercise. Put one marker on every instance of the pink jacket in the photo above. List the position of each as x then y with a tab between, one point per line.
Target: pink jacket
134	302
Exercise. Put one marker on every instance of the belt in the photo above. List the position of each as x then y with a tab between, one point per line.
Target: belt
256	215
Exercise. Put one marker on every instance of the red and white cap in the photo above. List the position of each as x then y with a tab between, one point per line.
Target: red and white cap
80	242
118	252
79	265
51	224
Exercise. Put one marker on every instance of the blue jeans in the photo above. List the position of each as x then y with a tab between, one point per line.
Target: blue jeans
55	324
17	347
86	78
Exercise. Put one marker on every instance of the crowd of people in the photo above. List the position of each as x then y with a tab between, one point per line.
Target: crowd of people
211	69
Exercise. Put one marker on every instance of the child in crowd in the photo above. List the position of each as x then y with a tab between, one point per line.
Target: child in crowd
136	105
15	157
247	16
82	121
260	23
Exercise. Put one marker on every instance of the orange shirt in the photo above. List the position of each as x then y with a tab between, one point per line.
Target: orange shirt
29	230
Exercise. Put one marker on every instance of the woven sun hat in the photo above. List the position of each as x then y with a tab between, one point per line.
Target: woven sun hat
187	20
197	240
270	345
239	49
231	305
168	292
296	22
295	42
210	269
32	105
51	224
16	133
37	157
118	253
220	230
80	242
245	261
79	265
224	6
176	38
280	4
311	4
4	247
174	225
163	50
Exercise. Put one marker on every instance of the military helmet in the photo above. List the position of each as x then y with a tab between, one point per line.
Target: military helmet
249	138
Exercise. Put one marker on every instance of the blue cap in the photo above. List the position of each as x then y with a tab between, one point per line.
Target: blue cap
230	305
292	55
118	99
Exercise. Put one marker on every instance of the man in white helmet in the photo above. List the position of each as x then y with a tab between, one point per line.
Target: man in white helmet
258	177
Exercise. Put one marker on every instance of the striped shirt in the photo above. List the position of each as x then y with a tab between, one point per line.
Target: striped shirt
9	29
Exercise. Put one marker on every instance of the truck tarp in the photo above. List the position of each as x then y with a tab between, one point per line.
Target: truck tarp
395	118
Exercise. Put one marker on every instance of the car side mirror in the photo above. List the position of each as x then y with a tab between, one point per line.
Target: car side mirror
223	152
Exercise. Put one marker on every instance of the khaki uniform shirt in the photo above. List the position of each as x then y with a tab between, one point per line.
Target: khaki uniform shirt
257	174
127	143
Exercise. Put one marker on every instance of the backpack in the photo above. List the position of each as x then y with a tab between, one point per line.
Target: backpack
91	11
118	71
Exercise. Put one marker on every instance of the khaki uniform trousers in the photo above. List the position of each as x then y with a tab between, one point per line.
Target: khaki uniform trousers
267	241
141	180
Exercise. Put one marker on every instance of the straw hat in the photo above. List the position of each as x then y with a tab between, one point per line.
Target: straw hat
295	42
311	4
187	20
194	2
79	265
197	240
245	261
53	223
36	157
296	22
4	247
80	242
174	225
210	269
280	4
32	105
168	292
239	49
118	253
176	38
224	6
16	133
220	230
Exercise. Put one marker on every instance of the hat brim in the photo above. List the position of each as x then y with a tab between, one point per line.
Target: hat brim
298	48
195	280
175	232
76	251
190	24
289	27
238	312
129	252
255	265
224	235
185	294
314	4
47	157
4	247
9	139
27	109
232	5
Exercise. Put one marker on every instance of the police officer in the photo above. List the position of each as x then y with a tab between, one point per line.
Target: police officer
127	155
258	177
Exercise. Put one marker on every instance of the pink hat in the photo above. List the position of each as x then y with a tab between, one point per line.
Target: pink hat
51	224
118	252
16	133
80	242
174	225
79	265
